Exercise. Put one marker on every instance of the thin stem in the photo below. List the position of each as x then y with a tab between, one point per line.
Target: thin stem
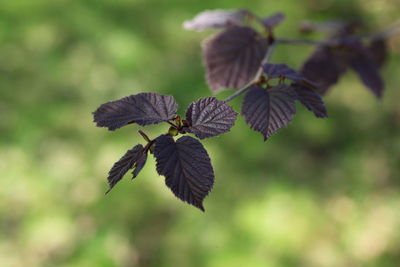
299	41
144	135
236	94
246	87
173	125
390	31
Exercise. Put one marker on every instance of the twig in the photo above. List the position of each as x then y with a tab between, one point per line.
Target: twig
390	31
144	135
173	125
246	87
393	29
300	42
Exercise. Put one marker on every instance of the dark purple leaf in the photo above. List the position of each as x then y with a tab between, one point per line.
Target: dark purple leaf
368	73
208	117
133	158
328	63
283	70
218	18
186	167
311	99
279	70
377	50
362	63
268	110
273	20
143	109
233	57
139	164
324	67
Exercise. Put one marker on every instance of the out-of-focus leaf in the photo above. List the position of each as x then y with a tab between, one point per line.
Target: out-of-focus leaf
186	167
218	18
377	50
133	158
143	109
327	64
208	117
273	20
268	110
233	57
362	63
311	100
324	67
368	73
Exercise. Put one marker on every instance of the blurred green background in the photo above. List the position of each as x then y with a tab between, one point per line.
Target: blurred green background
319	193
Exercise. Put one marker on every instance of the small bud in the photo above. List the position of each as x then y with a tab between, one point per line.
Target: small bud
173	131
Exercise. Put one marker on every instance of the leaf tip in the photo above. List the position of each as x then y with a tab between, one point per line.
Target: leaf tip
108	191
200	206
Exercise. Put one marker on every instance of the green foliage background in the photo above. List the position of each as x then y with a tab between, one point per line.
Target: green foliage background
319	193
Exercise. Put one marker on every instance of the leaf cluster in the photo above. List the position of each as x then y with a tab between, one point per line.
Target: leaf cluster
237	57
184	163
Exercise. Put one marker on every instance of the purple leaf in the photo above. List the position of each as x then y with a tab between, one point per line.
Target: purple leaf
278	70
143	109
311	99
324	67
218	18
233	57
186	167
327	64
303	87
208	117
133	158
362	63
139	164
283	70
377	50
273	20
268	110
368	73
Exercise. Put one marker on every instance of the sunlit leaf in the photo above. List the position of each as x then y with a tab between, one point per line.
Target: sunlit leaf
268	110
143	109
233	57
208	117
133	158
273	20
186	167
311	99
218	18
